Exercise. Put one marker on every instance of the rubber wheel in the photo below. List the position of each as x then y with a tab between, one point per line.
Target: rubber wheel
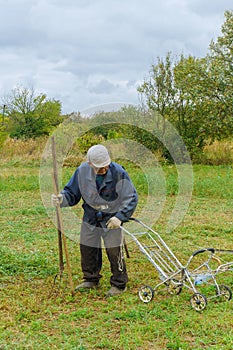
225	292
146	294
198	301
174	287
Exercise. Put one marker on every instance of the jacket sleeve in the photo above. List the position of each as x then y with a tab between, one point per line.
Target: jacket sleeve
71	192
127	198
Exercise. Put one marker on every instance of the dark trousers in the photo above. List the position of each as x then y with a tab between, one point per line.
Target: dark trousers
91	254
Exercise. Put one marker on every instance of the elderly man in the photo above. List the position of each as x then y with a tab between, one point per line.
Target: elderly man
109	199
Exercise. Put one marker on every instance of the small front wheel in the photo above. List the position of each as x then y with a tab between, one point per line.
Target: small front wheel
224	292
198	301
146	294
174	287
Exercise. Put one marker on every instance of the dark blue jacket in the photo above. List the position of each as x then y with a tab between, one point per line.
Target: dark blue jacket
116	196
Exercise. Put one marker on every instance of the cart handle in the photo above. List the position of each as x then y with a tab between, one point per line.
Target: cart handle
134	219
212	250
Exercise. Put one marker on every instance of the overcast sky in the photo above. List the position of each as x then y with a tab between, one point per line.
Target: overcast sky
91	52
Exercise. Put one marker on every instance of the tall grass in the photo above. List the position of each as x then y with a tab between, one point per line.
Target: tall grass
30	151
22	151
219	153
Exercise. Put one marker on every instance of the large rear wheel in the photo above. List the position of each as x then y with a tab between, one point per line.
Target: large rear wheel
225	292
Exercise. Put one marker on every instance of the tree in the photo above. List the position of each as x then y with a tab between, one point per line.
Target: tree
221	68
159	90
195	94
30	115
169	92
191	107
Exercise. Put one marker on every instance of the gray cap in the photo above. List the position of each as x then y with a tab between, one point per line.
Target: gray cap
98	155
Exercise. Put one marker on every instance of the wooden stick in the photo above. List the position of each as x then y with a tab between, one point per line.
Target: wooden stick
126	248
61	236
55	186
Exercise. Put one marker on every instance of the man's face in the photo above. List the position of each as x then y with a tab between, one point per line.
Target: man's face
100	171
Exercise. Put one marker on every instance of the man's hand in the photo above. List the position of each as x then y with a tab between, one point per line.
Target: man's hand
56	200
114	222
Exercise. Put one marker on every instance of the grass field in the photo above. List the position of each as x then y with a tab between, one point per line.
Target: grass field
35	314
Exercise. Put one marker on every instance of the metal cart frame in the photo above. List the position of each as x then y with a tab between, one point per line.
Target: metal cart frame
174	275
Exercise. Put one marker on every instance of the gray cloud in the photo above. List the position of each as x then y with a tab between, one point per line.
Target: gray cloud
103	87
87	52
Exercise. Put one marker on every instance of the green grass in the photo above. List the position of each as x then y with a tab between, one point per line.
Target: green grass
38	314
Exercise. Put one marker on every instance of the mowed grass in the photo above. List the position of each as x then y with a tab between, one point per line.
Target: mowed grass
38	311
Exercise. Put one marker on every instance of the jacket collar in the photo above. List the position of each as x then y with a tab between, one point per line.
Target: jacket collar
90	175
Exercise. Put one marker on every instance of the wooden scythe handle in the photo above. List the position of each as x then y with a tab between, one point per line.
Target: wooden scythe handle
61	236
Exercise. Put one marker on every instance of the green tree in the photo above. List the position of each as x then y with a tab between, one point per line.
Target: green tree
190	112
31	115
195	94
221	68
159	90
168	92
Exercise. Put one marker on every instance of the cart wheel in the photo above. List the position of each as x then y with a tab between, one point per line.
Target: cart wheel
225	292
146	294
174	287
198	301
